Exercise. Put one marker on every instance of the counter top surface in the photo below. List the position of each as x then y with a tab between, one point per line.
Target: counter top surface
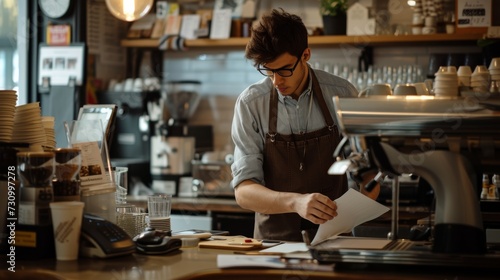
195	204
201	263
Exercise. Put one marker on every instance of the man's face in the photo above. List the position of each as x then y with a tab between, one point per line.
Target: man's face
287	63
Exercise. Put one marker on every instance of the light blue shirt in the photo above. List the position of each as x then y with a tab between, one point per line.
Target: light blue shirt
251	120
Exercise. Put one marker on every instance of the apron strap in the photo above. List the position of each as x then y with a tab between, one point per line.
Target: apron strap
273	114
273	107
321	100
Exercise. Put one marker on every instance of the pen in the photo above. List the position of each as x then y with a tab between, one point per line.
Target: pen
271	241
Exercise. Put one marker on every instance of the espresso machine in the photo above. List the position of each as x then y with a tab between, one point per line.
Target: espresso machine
449	142
173	142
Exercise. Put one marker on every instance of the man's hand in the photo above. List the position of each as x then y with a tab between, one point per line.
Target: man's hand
315	207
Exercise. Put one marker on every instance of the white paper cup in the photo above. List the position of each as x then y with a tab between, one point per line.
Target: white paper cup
67	223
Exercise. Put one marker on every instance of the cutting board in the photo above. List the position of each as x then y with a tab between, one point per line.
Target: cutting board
232	243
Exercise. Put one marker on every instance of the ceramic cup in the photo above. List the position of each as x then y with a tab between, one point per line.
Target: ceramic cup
495	63
376	89
464	70
421	88
480	69
405	89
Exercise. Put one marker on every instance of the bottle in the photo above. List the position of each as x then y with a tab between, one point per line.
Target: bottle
495	186
486	186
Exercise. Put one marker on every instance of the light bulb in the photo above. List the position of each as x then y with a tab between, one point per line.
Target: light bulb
129	10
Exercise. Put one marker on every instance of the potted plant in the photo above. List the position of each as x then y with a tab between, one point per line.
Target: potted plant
334	13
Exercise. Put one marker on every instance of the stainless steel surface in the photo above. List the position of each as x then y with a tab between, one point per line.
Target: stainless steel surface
404	252
212	179
442	140
415	116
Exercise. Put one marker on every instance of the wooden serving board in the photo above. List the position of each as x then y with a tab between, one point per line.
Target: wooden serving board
231	243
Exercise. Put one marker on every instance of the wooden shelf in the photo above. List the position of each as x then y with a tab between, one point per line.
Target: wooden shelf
315	41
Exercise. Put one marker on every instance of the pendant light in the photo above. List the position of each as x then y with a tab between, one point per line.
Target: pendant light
129	10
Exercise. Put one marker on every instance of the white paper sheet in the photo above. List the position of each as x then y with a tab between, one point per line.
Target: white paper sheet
353	208
287	248
359	243
226	261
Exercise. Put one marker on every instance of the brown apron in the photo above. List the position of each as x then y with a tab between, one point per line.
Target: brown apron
282	157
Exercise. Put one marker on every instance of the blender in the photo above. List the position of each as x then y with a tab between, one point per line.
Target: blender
172	146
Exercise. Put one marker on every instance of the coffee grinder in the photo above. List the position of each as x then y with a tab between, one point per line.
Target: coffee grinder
172	145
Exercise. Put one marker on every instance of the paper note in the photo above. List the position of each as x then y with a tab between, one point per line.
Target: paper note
221	24
287	248
353	208
190	23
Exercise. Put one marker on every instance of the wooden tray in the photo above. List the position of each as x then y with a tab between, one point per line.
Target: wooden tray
231	243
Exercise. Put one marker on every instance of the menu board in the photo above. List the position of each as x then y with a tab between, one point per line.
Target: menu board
473	13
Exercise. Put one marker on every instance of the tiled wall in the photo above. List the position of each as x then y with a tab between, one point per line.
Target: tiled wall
225	74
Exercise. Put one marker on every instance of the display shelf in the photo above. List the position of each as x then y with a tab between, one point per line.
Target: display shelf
316	41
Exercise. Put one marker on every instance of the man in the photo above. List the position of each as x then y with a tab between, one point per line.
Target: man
284	134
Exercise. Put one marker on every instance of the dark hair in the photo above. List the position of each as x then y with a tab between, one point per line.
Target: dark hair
277	33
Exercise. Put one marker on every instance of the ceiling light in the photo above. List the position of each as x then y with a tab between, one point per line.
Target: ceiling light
129	10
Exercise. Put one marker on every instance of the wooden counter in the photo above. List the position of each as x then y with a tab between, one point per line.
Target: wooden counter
196	204
195	263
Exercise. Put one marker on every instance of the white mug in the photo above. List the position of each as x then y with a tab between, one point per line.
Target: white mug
421	88
405	89
376	89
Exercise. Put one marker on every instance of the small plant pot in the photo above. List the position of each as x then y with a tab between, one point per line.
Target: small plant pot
335	25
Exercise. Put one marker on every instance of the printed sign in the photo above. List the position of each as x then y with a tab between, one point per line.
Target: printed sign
473	13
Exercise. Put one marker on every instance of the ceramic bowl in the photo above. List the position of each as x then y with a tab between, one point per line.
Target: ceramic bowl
495	63
479	78
405	89
445	83
495	77
452	69
446	92
464	70
478	84
480	69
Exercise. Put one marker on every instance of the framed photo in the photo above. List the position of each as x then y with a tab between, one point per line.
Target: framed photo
61	63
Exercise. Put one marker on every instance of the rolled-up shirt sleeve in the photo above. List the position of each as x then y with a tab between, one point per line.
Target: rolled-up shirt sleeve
248	139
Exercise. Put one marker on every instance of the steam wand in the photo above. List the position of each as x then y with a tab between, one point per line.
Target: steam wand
378	179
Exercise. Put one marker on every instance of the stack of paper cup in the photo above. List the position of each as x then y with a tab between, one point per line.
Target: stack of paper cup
8	99
464	73
480	79
446	81
494	69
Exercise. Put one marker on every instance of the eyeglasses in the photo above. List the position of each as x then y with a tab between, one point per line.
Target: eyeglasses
283	72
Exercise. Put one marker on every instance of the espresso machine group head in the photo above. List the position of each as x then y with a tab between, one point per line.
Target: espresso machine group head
449	142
